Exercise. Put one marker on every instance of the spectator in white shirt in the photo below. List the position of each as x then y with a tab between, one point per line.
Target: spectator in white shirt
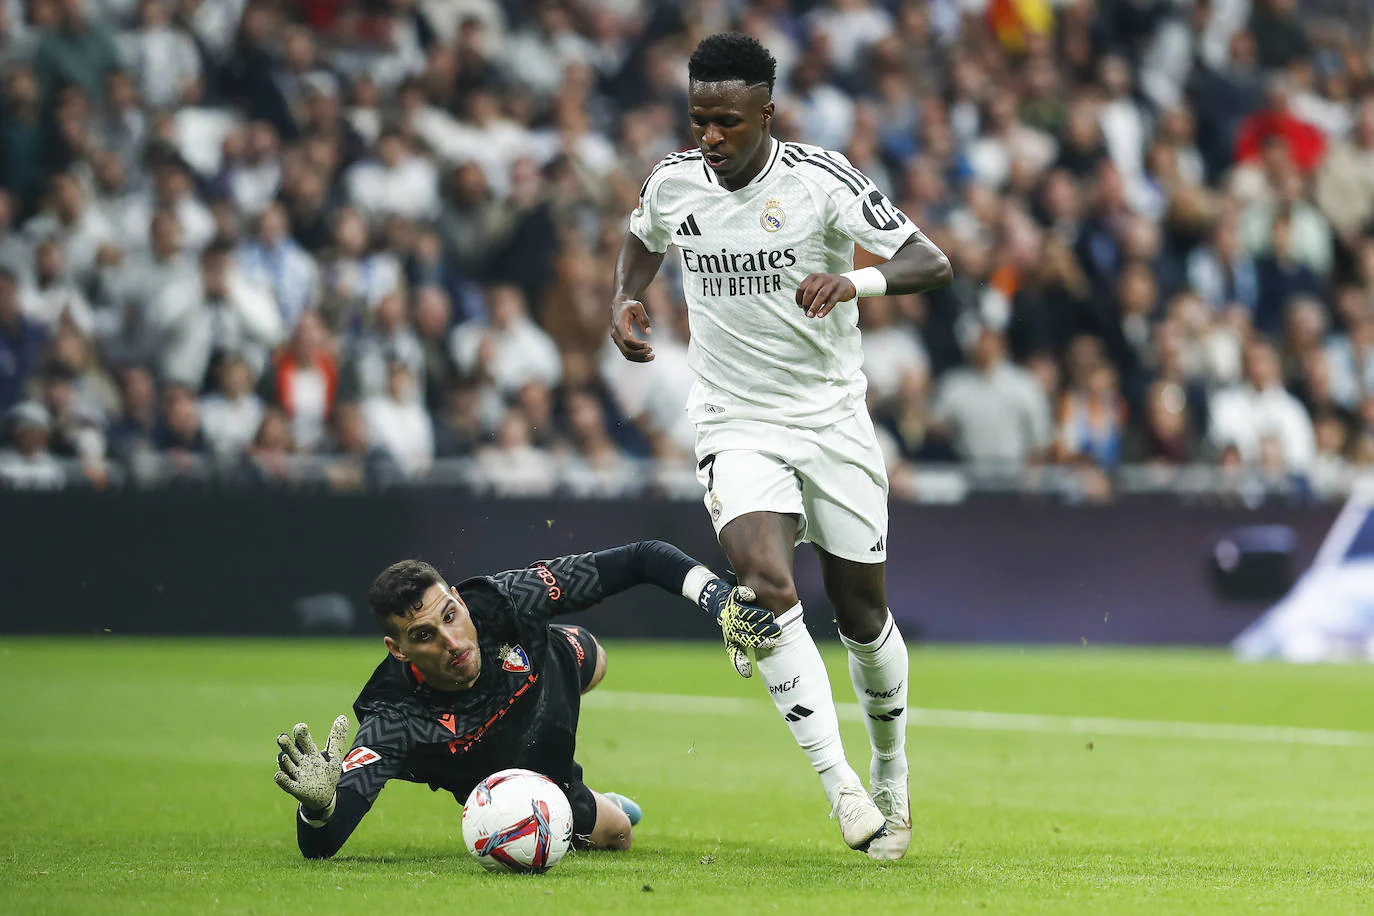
655	396
537	57
53	299
255	178
390	338
572	135
230	417
214	313
273	259
492	140
597	467
164	58
1350	357
127	291
172	189
398	422
995	413
395	183
1242	417
354	281
214	22
893	355
508	348
29	465
850	28
822	114
1006	141
199	131
79	227
1125	127
513	466
123	126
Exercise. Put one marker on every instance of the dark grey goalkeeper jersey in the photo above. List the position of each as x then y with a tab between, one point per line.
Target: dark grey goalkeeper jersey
521	712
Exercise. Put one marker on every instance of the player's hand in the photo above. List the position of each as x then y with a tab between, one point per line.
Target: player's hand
626	315
308	774
739	657
743	623
819	293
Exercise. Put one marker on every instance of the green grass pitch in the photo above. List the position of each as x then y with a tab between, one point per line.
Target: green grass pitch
135	776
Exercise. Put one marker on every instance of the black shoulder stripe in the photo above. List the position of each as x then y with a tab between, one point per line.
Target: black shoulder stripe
672	159
854	173
834	170
851	177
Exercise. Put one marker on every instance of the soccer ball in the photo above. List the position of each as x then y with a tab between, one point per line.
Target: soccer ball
519	821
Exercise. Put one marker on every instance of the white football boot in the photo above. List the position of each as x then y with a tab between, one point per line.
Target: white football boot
861	823
893	800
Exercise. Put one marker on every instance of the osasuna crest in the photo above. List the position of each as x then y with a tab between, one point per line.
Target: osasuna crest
514	659
773	217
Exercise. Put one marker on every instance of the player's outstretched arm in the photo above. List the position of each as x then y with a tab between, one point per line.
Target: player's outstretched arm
326	816
566	585
743	623
635	269
918	266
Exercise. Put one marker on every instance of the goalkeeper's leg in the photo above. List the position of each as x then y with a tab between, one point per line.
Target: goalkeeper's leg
759	546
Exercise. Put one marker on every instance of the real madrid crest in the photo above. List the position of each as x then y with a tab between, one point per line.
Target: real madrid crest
715	508
773	217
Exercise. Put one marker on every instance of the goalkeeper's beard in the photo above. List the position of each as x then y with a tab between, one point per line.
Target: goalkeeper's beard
455	670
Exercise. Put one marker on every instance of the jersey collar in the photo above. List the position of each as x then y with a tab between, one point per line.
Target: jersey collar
757	179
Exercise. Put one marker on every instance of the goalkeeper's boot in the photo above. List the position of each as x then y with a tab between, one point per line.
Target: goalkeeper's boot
893	800
860	820
628	805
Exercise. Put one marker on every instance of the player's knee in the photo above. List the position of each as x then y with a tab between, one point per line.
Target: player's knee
860	618
599	671
774	588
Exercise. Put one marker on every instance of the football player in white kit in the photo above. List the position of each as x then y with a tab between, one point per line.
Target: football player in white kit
785	446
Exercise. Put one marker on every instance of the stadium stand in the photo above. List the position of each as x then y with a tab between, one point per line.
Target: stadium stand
366	243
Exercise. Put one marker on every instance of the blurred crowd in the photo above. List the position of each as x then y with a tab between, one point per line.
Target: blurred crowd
358	243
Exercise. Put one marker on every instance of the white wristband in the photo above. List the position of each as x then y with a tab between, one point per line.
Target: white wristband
868	281
325	815
697	579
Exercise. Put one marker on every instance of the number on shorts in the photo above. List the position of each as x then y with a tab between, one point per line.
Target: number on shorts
708	464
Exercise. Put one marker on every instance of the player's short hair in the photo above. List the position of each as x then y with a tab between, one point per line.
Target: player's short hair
732	56
399	590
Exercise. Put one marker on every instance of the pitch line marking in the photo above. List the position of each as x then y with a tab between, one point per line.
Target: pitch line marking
979	720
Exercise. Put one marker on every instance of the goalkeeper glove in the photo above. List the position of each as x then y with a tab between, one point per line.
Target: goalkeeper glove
743	624
308	774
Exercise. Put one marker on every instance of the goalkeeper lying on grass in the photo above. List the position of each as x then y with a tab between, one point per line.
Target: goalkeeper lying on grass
477	680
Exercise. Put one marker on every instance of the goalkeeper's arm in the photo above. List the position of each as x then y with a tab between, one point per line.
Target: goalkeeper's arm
320	839
661	564
328	812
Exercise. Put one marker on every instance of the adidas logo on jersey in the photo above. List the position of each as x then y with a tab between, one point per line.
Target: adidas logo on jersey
689	226
879	547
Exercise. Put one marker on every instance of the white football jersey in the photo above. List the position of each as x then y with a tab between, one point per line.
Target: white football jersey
744	253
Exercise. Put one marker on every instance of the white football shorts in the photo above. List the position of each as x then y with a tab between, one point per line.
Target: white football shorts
834	478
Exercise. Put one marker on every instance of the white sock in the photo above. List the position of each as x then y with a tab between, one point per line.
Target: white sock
879	671
800	688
